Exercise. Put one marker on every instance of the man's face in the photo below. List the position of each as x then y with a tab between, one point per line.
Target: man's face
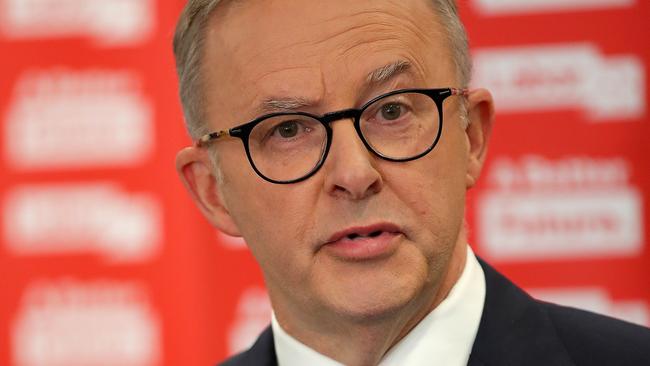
396	226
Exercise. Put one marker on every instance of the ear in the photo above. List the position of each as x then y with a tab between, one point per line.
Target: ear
194	167
480	108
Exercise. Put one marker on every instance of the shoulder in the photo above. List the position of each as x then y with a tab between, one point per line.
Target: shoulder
591	338
236	360
516	329
262	353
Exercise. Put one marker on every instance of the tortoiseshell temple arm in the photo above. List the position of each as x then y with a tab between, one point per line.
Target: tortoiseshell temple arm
206	139
463	92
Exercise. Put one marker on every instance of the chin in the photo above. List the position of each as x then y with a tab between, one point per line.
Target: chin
373	297
372	312
371	290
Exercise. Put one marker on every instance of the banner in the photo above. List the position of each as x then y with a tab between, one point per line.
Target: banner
106	261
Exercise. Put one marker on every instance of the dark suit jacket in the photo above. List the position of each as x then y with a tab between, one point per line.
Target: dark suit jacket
516	329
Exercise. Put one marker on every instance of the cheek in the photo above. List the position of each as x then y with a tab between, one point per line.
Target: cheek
435	194
439	207
436	182
261	216
274	219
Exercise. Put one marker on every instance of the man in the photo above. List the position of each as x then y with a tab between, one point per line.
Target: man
337	137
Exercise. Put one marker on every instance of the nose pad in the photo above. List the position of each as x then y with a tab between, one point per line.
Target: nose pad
350	167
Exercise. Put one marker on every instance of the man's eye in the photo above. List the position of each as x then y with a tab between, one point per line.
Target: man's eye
391	111
287	129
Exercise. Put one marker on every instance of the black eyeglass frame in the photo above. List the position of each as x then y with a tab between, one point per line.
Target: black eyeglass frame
438	95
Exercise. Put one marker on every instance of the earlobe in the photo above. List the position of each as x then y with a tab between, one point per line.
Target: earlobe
481	116
195	170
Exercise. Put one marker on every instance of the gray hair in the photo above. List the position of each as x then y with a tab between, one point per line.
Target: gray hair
189	42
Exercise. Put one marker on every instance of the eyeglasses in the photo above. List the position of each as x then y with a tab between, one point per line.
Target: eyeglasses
283	148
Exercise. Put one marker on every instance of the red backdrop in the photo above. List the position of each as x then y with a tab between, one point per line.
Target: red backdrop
106	261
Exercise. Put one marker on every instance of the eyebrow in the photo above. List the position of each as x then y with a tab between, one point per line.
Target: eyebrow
387	72
284	104
376	77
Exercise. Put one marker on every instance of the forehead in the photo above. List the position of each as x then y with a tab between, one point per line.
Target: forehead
317	49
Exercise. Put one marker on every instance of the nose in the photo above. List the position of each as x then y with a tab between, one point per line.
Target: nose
350	170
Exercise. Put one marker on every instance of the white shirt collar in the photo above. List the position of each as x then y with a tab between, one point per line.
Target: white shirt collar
445	335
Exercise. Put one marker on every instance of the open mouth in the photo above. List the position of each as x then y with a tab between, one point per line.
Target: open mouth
365	232
362	243
373	234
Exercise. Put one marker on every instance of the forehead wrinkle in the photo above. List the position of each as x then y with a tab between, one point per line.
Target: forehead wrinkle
279	69
374	18
309	41
380	75
281	97
376	38
341	32
388	21
424	25
383	31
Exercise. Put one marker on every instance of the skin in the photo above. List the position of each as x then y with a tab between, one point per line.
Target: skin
353	311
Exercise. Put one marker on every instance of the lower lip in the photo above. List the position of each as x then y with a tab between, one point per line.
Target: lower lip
364	248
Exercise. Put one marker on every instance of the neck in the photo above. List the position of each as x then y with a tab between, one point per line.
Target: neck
362	342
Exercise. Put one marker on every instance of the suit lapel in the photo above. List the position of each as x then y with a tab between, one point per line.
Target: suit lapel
514	328
262	353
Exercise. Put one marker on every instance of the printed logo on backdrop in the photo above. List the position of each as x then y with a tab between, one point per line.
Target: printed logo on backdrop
500	7
59	118
252	315
82	218
577	207
561	77
596	299
107	23
71	322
